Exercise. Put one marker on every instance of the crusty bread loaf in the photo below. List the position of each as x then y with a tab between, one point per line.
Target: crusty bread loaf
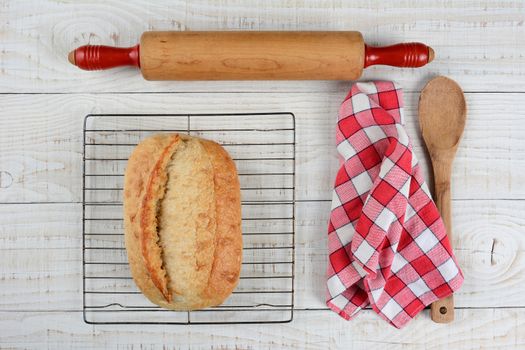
182	217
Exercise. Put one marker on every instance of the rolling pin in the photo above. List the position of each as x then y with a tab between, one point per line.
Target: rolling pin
251	55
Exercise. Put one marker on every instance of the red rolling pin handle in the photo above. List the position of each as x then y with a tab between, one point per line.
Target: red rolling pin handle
96	57
399	55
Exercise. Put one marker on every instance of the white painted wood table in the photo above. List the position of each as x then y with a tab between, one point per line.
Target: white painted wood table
44	99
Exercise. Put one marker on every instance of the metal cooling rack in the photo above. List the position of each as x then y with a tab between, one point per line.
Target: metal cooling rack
263	147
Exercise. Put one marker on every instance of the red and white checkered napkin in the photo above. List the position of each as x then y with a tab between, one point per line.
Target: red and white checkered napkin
387	243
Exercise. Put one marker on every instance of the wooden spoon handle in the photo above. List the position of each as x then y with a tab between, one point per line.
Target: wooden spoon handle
442	311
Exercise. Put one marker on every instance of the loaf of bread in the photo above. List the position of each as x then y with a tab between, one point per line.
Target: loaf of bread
182	217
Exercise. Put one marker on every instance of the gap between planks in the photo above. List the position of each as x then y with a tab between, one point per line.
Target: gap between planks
296	201
408	91
308	309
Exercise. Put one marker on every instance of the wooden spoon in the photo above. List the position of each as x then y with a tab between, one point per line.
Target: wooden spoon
442	117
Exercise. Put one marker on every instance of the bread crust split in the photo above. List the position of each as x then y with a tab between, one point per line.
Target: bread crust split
182	217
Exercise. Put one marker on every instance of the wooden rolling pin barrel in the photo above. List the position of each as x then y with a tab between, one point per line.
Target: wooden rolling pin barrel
251	56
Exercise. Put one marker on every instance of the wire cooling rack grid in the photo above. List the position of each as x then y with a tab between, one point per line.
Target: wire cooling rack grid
263	147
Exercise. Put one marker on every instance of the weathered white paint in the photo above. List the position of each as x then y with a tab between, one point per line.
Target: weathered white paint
41	139
489	243
472	329
478	43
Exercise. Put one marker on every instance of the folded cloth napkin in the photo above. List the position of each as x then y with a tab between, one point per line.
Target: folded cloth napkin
387	242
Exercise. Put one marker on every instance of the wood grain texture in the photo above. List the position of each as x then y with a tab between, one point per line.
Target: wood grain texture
41	158
41	250
478	43
473	329
252	55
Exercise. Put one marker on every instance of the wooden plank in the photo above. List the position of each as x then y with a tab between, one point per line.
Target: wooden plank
41	244
41	140
472	329
479	44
